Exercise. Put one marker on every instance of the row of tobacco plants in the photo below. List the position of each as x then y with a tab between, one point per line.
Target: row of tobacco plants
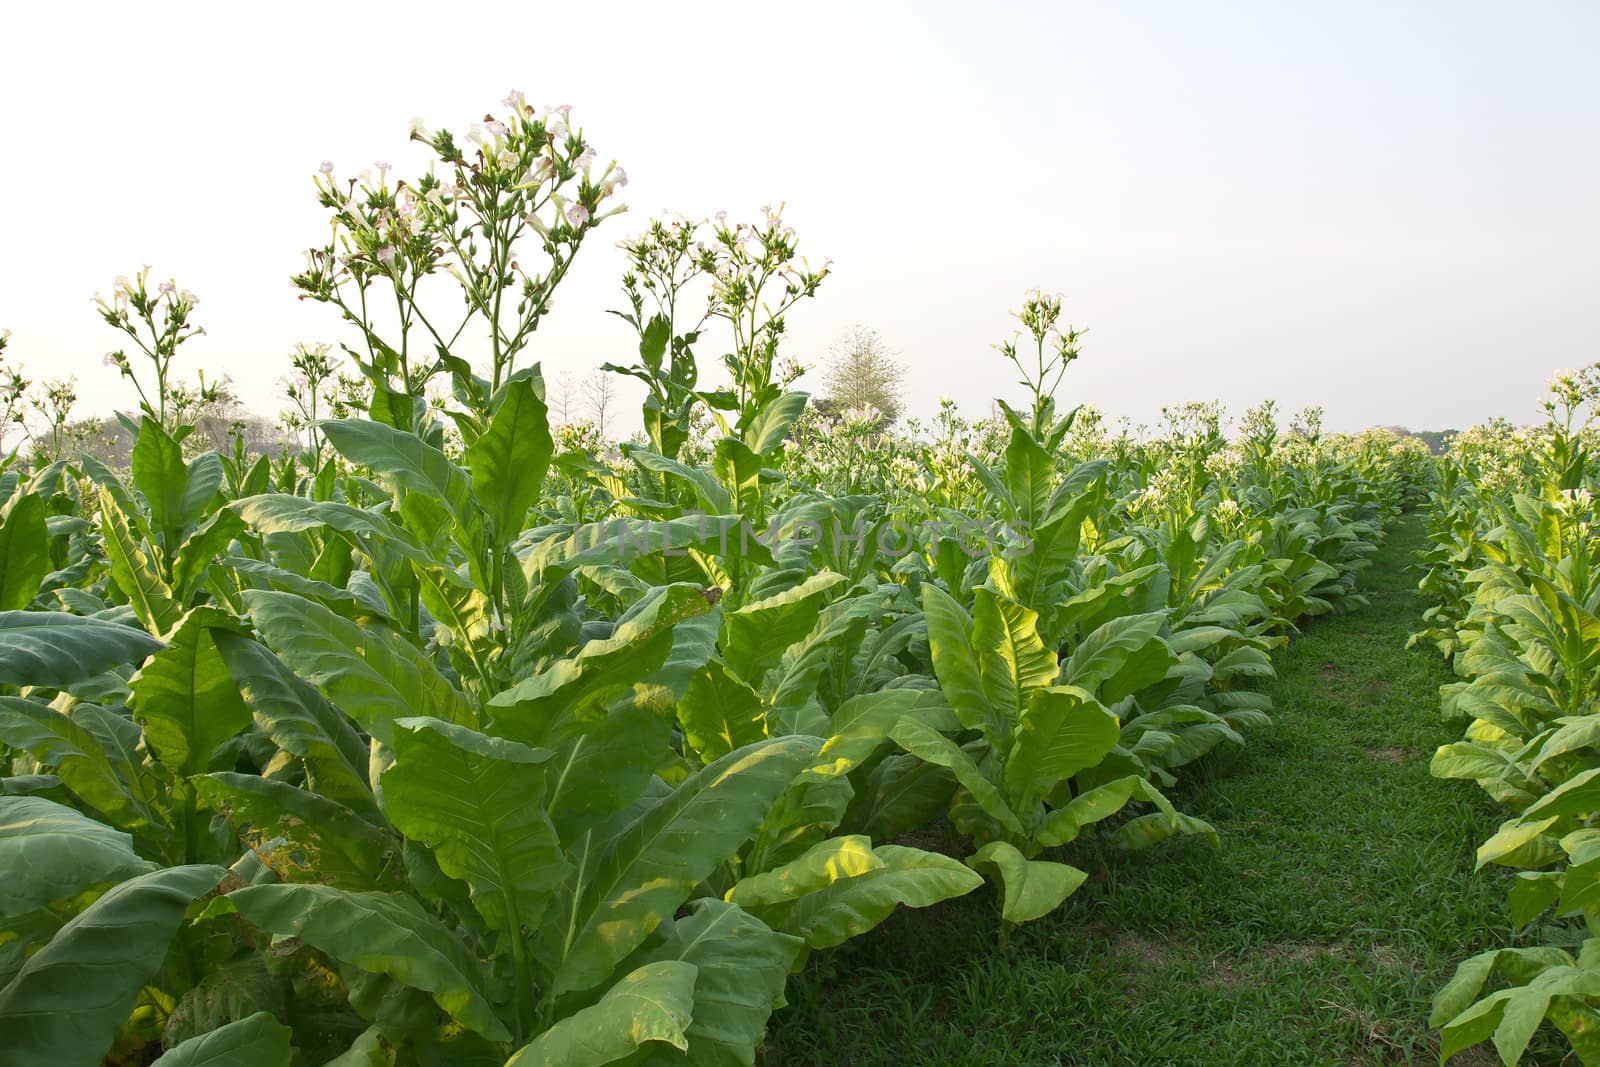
453	737
1514	573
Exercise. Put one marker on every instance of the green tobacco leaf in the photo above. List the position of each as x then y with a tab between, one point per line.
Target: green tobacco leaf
67	1002
185	698
381	933
51	852
410	461
1012	660
509	461
1091	806
24	552
742	967
756	635
270	513
55	649
1030	476
603	768
772	424
1064	730
199	550
542	705
131	569
1030	888
843	887
372	675
257	1040
930	746
479	802
78	757
160	474
1102	654
955	663
651	1004
720	713
317	839
299	720
610	903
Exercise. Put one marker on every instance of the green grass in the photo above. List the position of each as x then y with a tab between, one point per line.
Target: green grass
1341	898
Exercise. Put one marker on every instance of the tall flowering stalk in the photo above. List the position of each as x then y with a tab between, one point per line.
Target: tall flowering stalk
518	195
1054	349
158	322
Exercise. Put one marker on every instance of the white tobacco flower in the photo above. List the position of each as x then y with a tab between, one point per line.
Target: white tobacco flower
385	253
514	99
496	128
109	359
188	298
327	167
577	214
122	284
618	177
585	158
560	109
166	288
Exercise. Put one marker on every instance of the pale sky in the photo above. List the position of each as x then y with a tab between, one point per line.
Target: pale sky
1391	211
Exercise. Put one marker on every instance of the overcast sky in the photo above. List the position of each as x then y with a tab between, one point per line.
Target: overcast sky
1389	211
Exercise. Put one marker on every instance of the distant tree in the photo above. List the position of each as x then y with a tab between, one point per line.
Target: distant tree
600	392
862	372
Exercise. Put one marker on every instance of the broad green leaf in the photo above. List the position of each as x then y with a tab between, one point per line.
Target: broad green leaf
930	746
479	802
55	649
161	475
844	887
271	513
756	635
772	424
720	713
1091	806
611	902
639	644
24	552
1012	660
410	461
955	663
78	757
199	550
1064	730
380	933
299	720
257	1040
509	461
742	966
373	675
651	1004
134	573
602	768
1030	888
1099	657
317	840
185	698
51	852
66	1003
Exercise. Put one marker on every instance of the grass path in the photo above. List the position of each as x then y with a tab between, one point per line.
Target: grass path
1341	898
